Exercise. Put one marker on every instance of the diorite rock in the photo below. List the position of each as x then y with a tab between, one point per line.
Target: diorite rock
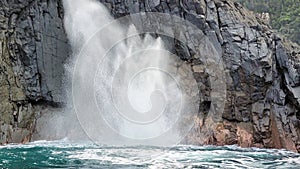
262	106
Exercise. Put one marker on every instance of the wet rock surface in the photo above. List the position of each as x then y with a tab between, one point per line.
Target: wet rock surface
262	69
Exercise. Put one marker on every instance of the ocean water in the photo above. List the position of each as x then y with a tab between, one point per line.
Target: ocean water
61	154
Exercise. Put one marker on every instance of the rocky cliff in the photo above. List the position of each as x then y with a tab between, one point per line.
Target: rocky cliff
33	50
262	106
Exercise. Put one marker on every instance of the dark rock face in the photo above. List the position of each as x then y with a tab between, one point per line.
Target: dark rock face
262	105
33	49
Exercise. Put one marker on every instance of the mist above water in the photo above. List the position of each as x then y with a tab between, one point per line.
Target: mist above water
126	87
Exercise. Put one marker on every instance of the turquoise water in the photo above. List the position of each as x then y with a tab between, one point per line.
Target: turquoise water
70	155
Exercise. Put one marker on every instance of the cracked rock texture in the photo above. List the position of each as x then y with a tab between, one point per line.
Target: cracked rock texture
33	49
262	104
